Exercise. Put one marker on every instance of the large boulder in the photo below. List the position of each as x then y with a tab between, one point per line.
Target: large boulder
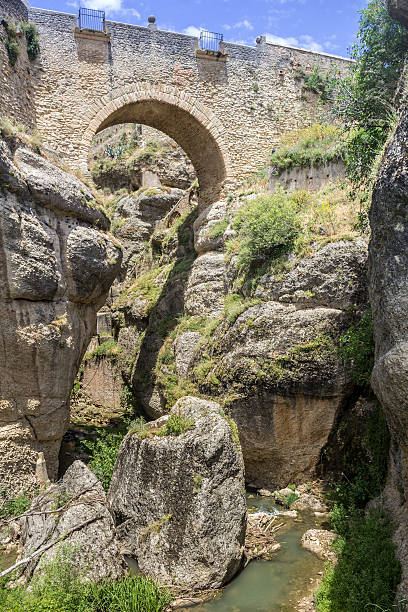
56	267
279	369
179	501
84	525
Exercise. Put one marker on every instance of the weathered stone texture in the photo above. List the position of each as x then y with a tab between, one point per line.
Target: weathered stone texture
55	271
311	179
211	109
94	546
16	82
179	502
388	287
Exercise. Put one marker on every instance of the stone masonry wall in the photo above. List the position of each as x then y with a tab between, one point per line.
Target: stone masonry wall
16	82
226	115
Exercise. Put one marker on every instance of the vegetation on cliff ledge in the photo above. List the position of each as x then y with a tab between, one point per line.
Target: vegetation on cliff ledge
316	145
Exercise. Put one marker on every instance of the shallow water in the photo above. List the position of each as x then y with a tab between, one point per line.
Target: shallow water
7	559
276	585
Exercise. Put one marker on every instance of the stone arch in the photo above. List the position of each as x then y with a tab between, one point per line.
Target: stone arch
195	128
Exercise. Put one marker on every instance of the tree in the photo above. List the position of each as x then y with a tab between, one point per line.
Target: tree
366	97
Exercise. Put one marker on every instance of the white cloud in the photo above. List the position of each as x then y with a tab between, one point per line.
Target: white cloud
279	40
192	31
244	24
111	7
240	24
305	41
308	42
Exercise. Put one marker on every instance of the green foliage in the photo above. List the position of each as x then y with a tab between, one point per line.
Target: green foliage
218	228
312	146
367	571
59	589
292	487
11	43
31	34
357	348
366	94
108	348
176	425
15	506
266	228
290	499
139	428
104	451
322	84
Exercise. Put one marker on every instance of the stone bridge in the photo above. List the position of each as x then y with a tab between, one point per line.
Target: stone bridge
225	110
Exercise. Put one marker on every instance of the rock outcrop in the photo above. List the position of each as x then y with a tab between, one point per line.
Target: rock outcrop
320	542
56	266
179	502
138	215
84	517
388	288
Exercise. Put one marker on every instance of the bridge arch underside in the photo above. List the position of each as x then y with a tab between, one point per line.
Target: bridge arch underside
192	136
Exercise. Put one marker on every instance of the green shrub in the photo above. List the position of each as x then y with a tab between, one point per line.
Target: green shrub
267	227
15	506
31	34
177	425
11	43
322	84
104	451
108	348
367	572
218	228
59	589
311	146
357	348
290	499
138	428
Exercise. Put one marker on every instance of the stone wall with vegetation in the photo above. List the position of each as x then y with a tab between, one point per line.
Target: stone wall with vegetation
18	73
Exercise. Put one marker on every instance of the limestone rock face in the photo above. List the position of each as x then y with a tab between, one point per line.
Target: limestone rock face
179	502
335	276
56	268
388	288
95	547
206	287
139	215
206	225
286	383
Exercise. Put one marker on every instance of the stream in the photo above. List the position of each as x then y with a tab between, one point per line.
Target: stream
276	585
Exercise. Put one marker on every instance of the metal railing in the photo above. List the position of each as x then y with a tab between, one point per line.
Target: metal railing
90	19
210	41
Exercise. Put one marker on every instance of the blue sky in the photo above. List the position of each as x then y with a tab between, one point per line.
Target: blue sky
320	25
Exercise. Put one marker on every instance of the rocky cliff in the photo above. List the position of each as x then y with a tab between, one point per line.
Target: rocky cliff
56	264
186	324
388	260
